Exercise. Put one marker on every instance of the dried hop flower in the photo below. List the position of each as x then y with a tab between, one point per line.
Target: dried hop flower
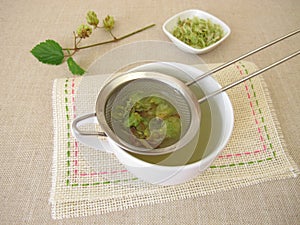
84	31
109	23
92	18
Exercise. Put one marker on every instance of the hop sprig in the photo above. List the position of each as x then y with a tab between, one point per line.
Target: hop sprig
50	52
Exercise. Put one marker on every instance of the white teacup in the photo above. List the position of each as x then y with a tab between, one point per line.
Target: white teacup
177	167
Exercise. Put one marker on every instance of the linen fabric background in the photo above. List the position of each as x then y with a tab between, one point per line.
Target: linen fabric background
26	121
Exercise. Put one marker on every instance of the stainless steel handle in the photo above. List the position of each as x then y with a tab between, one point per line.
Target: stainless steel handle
242	57
225	88
88	119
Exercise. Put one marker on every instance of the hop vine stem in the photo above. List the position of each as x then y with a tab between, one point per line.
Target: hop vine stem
115	39
51	52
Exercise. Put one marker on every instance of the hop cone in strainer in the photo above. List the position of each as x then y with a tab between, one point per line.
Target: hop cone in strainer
151	113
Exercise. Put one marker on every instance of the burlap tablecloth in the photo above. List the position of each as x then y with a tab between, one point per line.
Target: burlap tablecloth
26	121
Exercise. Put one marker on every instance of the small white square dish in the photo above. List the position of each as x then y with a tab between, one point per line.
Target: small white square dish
172	22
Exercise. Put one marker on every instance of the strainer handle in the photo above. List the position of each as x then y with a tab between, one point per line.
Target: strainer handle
86	119
94	139
225	88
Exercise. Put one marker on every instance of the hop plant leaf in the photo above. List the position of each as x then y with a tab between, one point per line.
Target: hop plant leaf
74	67
48	52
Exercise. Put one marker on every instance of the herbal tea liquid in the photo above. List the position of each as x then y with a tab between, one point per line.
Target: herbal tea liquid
186	156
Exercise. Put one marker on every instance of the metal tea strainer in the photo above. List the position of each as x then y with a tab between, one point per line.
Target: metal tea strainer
170	105
126	101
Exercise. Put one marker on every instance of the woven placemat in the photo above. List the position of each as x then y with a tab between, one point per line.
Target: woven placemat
255	153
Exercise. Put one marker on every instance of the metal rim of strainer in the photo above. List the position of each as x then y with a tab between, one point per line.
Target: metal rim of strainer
118	81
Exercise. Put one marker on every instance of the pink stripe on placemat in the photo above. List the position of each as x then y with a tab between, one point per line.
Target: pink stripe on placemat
73	149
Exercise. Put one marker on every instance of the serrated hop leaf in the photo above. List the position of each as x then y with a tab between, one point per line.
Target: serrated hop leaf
92	18
84	31
74	67
48	52
109	23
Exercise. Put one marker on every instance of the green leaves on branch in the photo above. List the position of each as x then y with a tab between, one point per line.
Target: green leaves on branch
50	52
74	67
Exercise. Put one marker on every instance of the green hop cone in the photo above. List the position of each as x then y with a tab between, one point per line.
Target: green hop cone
109	23
84	31
92	18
